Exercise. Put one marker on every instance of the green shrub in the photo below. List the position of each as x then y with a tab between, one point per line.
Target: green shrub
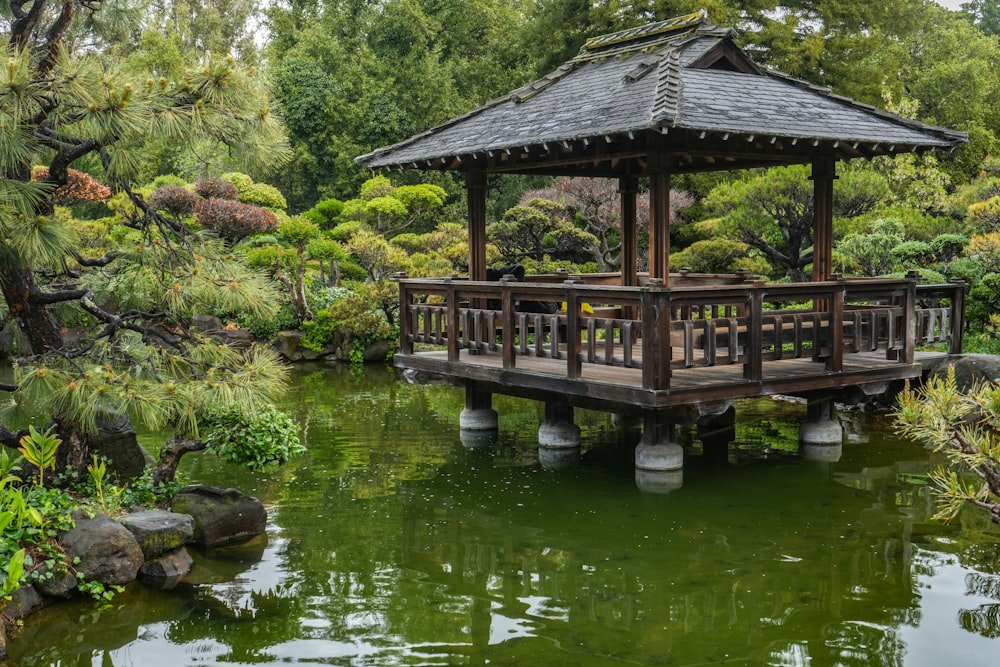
167	179
913	254
267	328
262	194
346	230
254	440
346	322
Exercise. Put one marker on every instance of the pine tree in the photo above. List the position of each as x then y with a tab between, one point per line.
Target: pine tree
136	355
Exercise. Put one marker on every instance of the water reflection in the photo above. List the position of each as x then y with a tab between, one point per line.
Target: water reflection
392	543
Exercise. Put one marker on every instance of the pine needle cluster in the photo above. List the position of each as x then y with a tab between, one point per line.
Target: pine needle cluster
965	426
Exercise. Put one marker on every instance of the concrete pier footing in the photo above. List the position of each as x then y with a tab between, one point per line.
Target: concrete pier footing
821	437
478	414
659	460
558	437
558	431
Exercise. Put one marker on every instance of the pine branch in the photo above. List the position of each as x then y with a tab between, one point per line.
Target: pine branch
54	37
170	457
108	258
41	298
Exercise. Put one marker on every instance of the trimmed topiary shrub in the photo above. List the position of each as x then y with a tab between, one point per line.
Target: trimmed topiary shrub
211	187
174	199
233	220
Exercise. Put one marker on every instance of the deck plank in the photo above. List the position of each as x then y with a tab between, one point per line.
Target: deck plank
619	386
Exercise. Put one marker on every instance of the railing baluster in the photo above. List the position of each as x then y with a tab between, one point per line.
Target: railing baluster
687	340
779	336
710	342
554	337
836	361
753	368
734	340
627	343
609	342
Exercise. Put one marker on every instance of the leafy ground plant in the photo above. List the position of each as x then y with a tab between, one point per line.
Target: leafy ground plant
965	426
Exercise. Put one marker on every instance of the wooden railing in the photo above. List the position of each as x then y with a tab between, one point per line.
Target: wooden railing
661	330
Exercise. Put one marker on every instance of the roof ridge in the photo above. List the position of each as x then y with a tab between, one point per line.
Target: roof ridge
668	89
695	20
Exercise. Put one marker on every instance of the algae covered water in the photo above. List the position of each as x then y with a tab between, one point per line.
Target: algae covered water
391	543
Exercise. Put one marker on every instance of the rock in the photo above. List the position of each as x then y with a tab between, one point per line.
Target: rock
159	532
377	351
116	441
107	551
970	368
289	345
23	601
206	323
166	571
221	516
59	585
236	338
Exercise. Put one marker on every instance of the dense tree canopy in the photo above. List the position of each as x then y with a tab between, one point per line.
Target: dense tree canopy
353	75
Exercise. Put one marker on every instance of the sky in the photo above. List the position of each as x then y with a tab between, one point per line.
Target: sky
951	4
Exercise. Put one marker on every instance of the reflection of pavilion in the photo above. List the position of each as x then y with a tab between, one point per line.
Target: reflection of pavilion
583	572
673	97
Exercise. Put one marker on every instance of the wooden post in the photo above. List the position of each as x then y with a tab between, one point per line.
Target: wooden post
957	316
573	303
475	183
507	315
451	315
659	226
835	362
753	368
824	173
628	187
909	322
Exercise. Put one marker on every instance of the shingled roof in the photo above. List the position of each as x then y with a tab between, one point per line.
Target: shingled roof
678	91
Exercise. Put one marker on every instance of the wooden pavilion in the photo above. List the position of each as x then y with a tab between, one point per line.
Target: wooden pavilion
673	97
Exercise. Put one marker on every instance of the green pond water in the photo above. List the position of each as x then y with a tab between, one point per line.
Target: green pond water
390	543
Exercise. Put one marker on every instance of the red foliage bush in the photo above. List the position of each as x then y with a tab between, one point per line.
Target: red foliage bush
79	187
233	220
210	187
174	199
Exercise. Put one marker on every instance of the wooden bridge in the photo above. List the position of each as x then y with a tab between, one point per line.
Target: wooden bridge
706	338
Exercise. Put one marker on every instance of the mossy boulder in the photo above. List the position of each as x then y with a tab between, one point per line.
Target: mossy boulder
107	551
221	516
159	532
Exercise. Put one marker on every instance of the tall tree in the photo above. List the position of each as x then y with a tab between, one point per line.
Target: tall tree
64	108
351	76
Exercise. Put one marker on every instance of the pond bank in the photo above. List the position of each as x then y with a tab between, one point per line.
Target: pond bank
106	554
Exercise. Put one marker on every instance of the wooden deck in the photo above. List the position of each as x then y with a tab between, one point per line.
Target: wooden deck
646	348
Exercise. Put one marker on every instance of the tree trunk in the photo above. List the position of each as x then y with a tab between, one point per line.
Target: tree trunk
37	324
170	458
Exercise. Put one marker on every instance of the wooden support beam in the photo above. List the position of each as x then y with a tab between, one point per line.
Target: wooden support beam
628	187
659	226
475	183
824	173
